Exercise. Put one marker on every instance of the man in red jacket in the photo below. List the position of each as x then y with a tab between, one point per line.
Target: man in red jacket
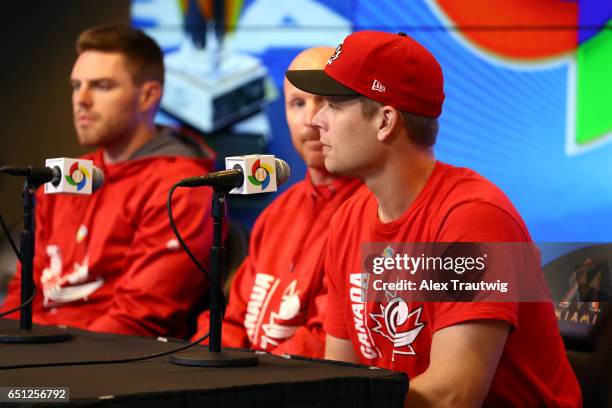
384	93
110	262
277	297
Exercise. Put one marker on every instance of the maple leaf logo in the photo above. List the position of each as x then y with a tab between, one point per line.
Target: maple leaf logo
336	54
392	319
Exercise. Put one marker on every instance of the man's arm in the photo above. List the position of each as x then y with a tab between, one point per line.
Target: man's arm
159	285
464	355
338	349
463	362
309	338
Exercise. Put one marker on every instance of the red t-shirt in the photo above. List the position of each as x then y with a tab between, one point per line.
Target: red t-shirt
456	205
277	296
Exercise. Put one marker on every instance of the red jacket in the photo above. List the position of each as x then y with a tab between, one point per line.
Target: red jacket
277	297
110	262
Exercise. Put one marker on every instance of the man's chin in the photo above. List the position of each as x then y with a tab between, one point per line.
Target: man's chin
86	140
333	169
316	161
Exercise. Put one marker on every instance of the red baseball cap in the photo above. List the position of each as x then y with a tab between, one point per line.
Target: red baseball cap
392	69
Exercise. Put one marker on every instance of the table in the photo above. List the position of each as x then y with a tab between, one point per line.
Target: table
276	382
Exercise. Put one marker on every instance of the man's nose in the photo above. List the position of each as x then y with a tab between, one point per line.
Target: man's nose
82	96
318	118
311	110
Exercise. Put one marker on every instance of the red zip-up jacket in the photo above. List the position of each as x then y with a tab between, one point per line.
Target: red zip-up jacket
109	262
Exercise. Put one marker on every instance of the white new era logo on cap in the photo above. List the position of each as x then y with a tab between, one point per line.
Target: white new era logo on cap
377	86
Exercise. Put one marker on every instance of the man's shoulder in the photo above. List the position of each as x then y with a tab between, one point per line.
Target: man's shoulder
466	197
460	185
464	178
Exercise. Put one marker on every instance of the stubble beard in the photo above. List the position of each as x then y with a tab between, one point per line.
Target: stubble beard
105	134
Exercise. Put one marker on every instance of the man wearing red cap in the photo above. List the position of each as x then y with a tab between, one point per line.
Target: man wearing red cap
384	93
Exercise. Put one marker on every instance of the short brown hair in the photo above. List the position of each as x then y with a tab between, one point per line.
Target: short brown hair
421	130
144	58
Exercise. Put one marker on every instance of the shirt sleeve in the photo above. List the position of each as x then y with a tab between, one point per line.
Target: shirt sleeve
478	222
159	284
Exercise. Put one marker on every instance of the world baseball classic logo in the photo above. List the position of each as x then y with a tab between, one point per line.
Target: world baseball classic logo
260	174
77	176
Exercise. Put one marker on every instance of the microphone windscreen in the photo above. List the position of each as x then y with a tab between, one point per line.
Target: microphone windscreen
283	172
98	179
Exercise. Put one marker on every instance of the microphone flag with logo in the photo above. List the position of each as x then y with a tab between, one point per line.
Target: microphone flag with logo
251	174
78	176
262	173
61	175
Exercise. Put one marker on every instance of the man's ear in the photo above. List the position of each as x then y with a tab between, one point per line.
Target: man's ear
150	94
389	118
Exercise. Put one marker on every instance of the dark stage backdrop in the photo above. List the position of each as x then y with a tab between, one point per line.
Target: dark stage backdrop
38	52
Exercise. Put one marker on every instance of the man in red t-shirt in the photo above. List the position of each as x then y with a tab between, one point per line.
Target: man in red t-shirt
383	94
277	296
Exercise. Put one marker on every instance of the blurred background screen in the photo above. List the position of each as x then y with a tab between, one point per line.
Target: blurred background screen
528	87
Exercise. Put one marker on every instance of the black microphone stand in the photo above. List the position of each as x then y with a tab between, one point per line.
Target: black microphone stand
215	356
25	333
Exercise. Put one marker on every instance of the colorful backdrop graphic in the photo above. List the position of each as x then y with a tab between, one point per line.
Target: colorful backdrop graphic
528	87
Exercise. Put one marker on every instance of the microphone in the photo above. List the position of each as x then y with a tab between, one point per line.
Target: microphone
251	174
61	175
37	175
